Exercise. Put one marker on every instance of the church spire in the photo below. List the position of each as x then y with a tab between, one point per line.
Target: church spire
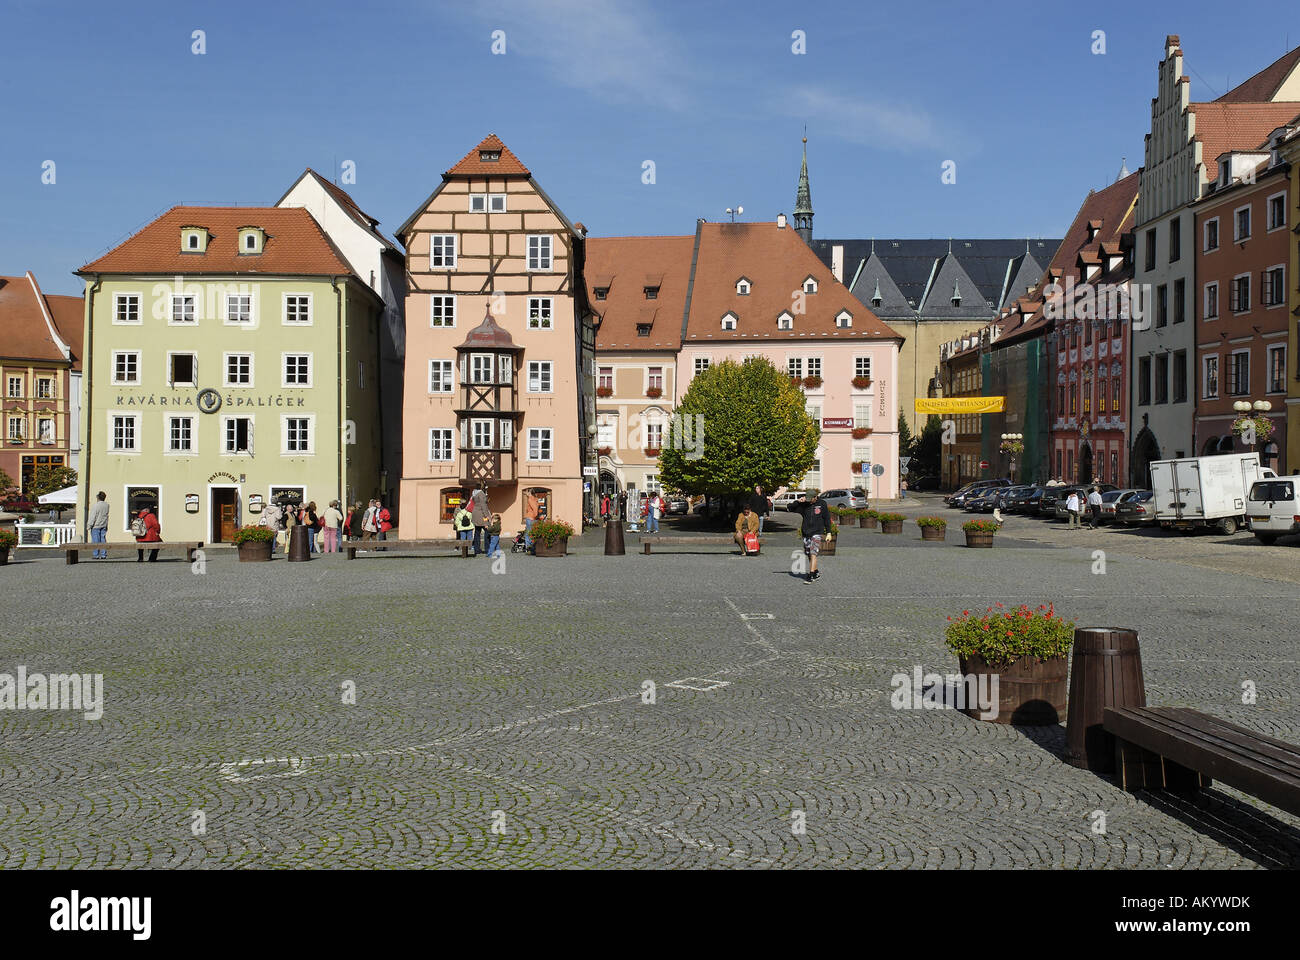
803	211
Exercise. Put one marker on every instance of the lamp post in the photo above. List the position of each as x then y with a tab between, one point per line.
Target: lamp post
1245	408
1012	438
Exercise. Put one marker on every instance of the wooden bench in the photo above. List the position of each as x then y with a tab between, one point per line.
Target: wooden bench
401	546
73	550
647	542
1173	748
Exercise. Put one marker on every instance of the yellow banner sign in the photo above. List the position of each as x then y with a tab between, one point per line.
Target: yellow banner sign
960	404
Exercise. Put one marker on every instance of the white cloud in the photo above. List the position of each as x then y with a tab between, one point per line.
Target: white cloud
863	120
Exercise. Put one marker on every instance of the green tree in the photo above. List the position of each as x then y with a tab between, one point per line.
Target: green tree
756	430
8	488
47	479
928	450
906	442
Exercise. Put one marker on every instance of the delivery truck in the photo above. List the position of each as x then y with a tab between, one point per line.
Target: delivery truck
1205	491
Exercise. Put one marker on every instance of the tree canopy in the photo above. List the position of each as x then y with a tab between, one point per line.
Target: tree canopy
756	431
47	479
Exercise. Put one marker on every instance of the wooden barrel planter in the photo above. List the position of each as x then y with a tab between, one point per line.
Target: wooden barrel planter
1031	692
891	526
1106	672
934	533
255	551
4	556
557	549
978	538
867	523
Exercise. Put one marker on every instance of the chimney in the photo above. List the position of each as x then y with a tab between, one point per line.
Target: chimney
837	262
780	221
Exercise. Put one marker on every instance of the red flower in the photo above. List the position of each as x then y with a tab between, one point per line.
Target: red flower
965	613
999	604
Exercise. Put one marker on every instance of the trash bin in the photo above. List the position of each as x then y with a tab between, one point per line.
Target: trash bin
1106	672
300	542
614	538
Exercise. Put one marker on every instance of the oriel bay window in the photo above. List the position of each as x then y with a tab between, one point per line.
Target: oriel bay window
482	434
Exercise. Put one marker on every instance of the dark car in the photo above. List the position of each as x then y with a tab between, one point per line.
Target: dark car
1059	512
958	499
1136	509
1018	499
678	505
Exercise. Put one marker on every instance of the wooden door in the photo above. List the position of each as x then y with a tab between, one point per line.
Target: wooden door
228	521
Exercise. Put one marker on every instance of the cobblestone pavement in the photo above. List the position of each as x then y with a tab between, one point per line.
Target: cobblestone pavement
499	719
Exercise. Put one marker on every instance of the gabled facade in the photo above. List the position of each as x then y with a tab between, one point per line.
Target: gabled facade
499	349
40	376
231	360
380	264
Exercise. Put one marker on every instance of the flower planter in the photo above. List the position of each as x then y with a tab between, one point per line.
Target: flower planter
255	551
556	549
867	523
1031	692
934	533
977	538
891	526
861	433
827	548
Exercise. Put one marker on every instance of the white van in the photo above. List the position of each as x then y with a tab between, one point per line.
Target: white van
1271	508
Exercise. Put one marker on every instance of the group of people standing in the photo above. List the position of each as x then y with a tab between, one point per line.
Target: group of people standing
474	520
332	526
1074	505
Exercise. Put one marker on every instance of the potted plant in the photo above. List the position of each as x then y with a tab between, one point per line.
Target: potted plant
654	393
1025	650
867	519
254	544
8	541
861	433
551	538
651	451
604	451
932	528
891	522
979	533
604	391
856	466
861	383
812	383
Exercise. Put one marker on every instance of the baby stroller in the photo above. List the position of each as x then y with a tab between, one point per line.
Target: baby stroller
520	544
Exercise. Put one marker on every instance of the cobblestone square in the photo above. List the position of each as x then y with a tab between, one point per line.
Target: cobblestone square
500	718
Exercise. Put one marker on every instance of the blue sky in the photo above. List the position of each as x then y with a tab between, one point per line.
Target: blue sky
586	91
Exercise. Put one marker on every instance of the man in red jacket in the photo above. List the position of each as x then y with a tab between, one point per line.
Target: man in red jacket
152	534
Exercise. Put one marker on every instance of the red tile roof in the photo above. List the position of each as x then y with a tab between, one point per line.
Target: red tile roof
1221	127
295	245
777	261
471	166
1263	86
621	265
26	315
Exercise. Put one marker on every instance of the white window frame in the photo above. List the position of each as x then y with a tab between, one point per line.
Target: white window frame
449	366
540	435
1205	235
649	377
10	379
252	310
113	415
794	367
44	396
284	370
442	301
1268	205
225	431
118	299
435	437
814	362
860	363
284	310
476	366
545	307
21	420
474	424
448	262
493	198
1205	301
480	198
783	322
1236	237
743	287
729	321
535	371
225	369
139	368
844	320
179	299
194	366
168	447
1248	276
702	364
40	431
540	251
859	421
284	434
809	281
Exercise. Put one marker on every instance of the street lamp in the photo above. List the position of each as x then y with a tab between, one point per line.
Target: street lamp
1245	408
1010	442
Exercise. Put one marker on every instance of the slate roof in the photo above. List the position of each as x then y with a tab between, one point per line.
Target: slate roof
623	265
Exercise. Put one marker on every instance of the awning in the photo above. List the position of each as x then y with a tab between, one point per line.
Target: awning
66	496
960	404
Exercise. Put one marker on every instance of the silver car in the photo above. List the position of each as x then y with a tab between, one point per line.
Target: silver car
854	499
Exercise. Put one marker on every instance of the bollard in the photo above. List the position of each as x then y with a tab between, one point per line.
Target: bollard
614	538
299	543
1106	671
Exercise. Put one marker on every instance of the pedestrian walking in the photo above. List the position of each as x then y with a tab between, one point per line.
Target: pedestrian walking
146	529
1094	506
902	490
1072	508
383	522
97	523
816	525
482	517
532	510
333	524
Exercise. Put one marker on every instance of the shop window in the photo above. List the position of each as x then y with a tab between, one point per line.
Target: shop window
449	502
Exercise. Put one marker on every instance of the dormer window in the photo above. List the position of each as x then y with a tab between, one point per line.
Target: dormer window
743	286
643	329
251	240
729	321
956	294
652	293
194	240
489	156
602	293
810	285
876	297
844	320
785	321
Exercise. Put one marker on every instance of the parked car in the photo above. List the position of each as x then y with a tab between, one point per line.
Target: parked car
677	506
1110	500
982	500
958	499
857	498
18	505
1021	499
1059	511
1002	500
783	501
1136	509
1271	508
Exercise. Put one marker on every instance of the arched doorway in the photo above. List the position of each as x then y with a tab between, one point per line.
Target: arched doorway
1085	464
1145	450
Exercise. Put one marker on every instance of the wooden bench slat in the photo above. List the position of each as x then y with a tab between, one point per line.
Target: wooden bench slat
1233	741
710	540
